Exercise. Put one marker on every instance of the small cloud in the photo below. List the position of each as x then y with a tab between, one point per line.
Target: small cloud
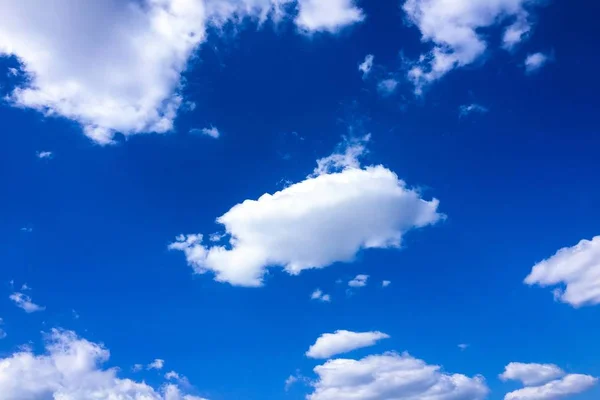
2	331
13	72
137	367
359	281
24	302
25	287
26	229
366	65
172	375
535	61
387	87
468	109
216	237
75	314
213	132
319	295
156	364
189	106
290	381
44	154
463	346
386	283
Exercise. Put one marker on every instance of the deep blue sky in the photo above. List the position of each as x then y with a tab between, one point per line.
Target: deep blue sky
516	183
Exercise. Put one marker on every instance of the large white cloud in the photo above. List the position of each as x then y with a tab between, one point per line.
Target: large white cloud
531	374
341	341
392	376
71	369
557	389
577	268
454	30
115	65
326	218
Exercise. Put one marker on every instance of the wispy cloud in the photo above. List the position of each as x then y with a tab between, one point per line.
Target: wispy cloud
212	132
24	301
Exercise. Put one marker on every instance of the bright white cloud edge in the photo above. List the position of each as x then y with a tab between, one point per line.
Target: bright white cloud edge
342	341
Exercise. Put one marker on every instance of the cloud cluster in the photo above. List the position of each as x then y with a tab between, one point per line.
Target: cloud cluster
577	268
341	341
329	217
392	376
544	382
71	369
124	74
454	30
319	295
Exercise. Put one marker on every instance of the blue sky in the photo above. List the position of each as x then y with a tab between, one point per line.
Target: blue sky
128	124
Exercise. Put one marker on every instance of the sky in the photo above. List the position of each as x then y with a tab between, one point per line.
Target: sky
299	199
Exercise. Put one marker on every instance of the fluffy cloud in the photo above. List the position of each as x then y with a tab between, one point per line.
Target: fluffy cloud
577	268
535	61
359	281
319	295
366	65
454	30
156	364
330	216
123	74
70	369
569	385
330	344
531	374
392	376
330	15
24	301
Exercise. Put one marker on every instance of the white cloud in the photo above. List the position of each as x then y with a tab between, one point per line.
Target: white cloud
2	331
359	281
330	344
212	132
577	268
156	364
319	295
324	219
172	375
535	61
44	154
124	74
387	86
24	301
569	385
467	109
328	16
463	346
386	283
289	382
137	367
366	65
454	30
531	374
391	376
71	369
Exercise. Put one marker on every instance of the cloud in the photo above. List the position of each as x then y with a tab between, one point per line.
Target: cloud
137	367
212	132
392	376
327	218
577	268
156	364
319	295
124	74
455	31
531	374
339	342
569	385
172	375
24	301
386	283
387	87
467	109
463	346
366	65
289	382
359	281
2	331
44	154
327	16
535	61
71	368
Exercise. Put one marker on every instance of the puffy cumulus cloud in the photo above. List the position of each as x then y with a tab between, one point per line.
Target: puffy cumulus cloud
328	16
123	74
557	389
577	268
392	376
531	374
339	342
156	364
535	61
24	302
70	369
334	213
359	281
454	29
